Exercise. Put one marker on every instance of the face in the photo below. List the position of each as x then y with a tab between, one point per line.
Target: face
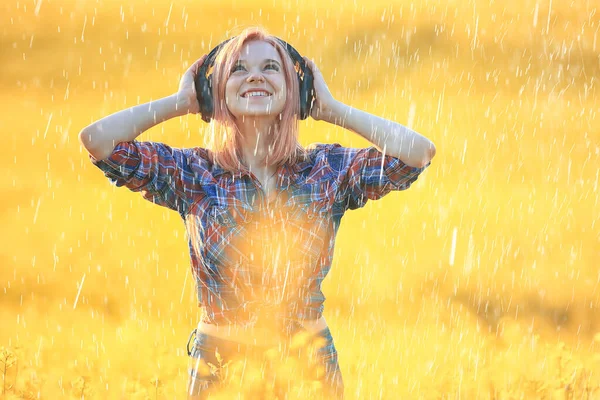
256	87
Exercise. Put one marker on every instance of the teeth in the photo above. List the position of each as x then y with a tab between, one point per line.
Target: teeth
254	94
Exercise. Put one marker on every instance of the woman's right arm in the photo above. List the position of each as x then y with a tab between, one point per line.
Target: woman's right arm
101	137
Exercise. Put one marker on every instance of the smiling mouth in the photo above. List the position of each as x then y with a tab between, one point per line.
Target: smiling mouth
250	95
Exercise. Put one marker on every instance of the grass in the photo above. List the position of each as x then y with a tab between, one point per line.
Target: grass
481	281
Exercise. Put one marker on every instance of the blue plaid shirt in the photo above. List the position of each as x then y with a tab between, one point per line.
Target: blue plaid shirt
246	255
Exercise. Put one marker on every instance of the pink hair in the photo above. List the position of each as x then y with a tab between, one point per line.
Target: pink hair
225	134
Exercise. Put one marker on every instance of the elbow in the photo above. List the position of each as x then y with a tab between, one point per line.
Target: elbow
84	138
430	152
89	140
91	135
426	158
421	157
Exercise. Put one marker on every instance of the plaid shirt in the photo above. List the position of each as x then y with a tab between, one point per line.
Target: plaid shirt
248	256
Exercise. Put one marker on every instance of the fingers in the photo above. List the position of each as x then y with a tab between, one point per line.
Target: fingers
308	62
311	65
196	65
200	60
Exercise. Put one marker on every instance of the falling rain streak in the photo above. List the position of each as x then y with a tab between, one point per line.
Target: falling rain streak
480	281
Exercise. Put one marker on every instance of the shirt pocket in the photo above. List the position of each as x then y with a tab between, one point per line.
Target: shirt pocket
228	212
223	224
225	216
310	225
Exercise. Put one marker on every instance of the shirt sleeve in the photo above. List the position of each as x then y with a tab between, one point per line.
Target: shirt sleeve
366	174
154	169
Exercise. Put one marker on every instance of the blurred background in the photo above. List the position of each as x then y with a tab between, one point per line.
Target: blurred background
480	281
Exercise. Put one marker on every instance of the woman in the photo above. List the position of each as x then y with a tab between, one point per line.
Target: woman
261	212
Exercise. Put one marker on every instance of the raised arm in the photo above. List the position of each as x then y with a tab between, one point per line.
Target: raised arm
387	136
101	137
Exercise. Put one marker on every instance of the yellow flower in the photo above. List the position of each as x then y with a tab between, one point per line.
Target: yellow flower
202	368
271	354
300	340
320	371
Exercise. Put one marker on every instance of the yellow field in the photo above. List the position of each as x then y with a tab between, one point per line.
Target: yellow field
480	282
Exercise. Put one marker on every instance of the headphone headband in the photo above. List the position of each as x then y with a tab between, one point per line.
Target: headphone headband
203	81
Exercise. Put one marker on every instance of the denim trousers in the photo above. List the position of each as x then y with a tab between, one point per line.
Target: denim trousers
314	362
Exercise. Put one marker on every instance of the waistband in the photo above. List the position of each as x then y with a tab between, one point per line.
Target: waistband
324	333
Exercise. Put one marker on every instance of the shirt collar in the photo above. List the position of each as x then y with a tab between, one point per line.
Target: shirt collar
286	174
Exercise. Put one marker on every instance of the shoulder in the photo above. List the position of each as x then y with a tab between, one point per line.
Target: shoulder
336	155
321	147
317	150
195	160
178	157
200	162
198	155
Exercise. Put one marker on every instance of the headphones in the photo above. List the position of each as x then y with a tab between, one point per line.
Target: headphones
203	82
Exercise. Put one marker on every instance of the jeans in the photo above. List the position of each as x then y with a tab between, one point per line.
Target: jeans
309	363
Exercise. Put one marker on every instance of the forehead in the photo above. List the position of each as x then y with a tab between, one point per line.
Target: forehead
257	51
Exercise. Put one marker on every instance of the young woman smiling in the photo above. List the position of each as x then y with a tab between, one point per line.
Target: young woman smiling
261	211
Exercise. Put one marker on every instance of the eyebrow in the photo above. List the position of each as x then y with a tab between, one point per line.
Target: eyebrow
264	61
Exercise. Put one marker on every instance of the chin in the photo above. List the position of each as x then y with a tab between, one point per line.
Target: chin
257	113
256	117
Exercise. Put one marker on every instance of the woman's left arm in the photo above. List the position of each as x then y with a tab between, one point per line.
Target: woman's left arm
389	137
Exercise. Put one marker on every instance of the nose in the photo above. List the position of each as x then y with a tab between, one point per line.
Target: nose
253	77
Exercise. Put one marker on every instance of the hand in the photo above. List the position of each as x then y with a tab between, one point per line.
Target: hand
325	105
186	95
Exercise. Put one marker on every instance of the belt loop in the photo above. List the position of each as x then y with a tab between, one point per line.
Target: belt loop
193	334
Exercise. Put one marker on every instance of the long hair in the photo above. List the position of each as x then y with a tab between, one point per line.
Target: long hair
225	135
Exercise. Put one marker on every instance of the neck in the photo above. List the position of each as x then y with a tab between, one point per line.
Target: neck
256	140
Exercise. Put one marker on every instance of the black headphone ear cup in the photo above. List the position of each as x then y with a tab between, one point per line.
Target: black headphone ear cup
204	92
203	88
203	84
305	80
307	93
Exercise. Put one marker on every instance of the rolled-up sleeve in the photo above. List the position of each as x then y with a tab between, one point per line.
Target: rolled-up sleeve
366	174
154	169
